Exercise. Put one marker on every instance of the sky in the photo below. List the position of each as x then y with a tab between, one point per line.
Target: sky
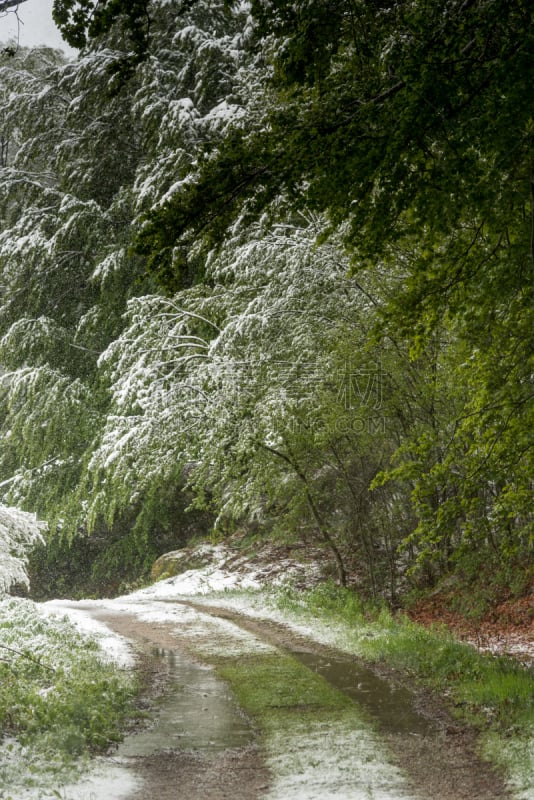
35	26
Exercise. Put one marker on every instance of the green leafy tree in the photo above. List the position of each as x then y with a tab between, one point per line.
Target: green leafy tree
410	126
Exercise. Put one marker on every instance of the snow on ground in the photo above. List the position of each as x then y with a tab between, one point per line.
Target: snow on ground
211	578
349	760
226	574
226	568
104	781
116	648
148	605
109	783
208	635
223	574
509	642
309	759
226	582
234	582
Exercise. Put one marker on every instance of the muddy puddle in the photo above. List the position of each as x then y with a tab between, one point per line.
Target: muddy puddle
438	755
195	718
195	712
392	706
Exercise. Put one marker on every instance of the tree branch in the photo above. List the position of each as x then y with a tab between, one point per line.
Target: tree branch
35	469
26	655
6	5
313	509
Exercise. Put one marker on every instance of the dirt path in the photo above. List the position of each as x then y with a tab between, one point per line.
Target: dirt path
236	773
441	764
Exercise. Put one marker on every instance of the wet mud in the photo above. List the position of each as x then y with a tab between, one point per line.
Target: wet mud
199	745
437	753
196	743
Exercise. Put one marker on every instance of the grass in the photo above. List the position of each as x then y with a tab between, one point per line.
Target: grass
58	701
472	678
267	684
317	741
496	694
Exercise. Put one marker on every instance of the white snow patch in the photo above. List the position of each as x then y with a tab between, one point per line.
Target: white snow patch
509	643
114	647
211	578
199	581
317	760
226	572
109	781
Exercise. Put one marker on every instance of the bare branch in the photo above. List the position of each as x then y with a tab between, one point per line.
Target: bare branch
7	5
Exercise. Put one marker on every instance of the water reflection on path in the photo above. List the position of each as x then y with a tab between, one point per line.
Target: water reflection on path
195	712
392	706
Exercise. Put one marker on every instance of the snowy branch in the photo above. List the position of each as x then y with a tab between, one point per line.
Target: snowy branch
19	531
28	656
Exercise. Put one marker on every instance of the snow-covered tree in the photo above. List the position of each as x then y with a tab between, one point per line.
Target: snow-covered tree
87	158
259	385
57	246
19	532
172	312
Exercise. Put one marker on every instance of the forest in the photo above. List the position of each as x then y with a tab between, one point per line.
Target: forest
268	267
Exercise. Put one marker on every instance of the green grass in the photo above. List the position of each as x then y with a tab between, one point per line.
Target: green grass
494	693
58	701
263	684
475	680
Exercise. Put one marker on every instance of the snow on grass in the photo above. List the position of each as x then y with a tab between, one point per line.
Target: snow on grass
314	759
309	758
516	755
104	781
58	700
292	783
210	578
113	647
